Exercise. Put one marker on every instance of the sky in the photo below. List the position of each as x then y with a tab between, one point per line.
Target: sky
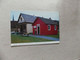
45	14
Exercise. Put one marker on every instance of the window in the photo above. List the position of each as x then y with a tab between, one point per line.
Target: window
54	27
49	27
21	18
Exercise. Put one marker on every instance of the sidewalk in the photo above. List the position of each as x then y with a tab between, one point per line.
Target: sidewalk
45	37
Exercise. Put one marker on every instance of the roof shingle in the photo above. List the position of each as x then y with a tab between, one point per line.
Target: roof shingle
48	21
28	18
31	19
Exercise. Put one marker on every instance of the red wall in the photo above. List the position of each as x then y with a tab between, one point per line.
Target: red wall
44	28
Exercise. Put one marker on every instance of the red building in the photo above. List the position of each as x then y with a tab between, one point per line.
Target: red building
44	26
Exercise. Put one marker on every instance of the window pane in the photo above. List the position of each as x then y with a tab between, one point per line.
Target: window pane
48	27
55	27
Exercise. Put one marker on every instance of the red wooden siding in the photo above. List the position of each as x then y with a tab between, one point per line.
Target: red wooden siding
44	28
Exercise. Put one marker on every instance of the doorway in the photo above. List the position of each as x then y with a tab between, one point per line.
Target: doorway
23	28
38	30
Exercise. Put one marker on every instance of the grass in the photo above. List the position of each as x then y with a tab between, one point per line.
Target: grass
22	39
55	36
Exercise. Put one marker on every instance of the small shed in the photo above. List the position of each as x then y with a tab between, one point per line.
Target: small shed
45	26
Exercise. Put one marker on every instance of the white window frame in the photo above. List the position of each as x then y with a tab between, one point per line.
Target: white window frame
49	28
55	27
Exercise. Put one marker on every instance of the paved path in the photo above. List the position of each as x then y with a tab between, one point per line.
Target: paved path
45	37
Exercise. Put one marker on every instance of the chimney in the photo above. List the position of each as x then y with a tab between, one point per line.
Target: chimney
50	18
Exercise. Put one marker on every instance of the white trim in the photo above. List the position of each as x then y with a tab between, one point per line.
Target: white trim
34	43
22	19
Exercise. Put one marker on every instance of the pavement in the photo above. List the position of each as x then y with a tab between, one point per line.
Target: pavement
45	37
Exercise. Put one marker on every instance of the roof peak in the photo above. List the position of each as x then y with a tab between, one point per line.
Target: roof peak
27	18
27	14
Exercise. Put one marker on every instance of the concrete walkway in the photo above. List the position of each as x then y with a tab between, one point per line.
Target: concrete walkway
45	37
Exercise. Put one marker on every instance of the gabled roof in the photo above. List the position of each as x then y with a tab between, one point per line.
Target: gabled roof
28	18
48	21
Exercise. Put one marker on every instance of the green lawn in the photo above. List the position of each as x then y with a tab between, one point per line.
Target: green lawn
55	36
22	39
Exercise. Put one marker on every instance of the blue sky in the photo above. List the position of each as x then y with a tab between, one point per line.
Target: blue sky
46	14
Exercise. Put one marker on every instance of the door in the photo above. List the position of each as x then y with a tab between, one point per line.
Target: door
38	30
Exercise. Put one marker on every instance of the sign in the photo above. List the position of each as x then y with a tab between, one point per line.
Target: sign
34	26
